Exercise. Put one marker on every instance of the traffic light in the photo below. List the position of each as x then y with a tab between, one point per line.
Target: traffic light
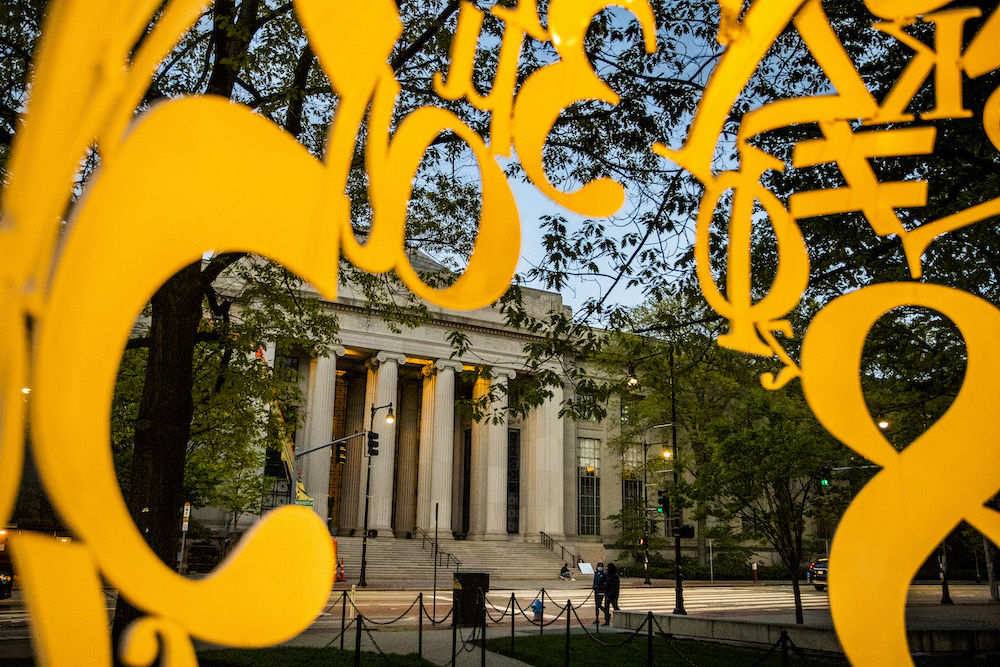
372	443
824	476
341	452
664	501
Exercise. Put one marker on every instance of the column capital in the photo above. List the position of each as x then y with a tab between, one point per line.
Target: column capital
445	364
500	372
338	350
383	357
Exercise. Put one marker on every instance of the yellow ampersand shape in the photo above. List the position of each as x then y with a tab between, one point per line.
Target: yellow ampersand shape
923	492
144	219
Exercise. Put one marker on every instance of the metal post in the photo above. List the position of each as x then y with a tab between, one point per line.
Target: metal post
513	602
364	538
569	615
541	617
357	640
343	620
645	510
435	601
420	626
368	494
649	638
483	654
784	648
678	577
945	597
454	626
711	562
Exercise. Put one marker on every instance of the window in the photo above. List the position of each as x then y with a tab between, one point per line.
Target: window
513	481
589	486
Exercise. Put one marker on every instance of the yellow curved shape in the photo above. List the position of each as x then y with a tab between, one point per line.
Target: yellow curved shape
736	305
160	181
899	9
553	88
498	246
895	523
13	378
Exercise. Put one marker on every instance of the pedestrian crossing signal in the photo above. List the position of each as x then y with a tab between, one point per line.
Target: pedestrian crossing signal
341	452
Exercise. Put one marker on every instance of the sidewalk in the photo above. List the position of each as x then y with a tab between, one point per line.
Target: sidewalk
436	648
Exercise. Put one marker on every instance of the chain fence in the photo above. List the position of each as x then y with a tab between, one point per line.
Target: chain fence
469	639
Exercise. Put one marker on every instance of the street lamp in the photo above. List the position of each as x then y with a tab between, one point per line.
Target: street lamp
678	586
632	381
389	418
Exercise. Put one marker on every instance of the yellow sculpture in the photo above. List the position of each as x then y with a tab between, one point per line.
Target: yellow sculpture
893	524
147	214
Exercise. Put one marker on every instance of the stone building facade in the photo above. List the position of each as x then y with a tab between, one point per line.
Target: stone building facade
506	479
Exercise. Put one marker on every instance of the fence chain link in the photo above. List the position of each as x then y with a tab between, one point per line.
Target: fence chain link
593	637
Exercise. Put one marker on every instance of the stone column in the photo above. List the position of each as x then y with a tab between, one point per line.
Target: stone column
406	458
489	460
496	460
315	466
437	446
354	468
383	465
543	501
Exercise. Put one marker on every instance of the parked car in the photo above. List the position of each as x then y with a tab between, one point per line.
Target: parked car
817	573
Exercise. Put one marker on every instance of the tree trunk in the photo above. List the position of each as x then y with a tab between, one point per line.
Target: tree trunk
799	619
990	574
163	423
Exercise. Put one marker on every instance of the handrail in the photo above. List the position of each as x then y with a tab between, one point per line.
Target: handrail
425	538
552	544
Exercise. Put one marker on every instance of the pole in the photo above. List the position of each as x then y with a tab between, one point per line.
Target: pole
357	640
513	601
482	662
678	577
343	620
711	562
435	602
368	494
649	638
364	538
945	597
645	510
569	615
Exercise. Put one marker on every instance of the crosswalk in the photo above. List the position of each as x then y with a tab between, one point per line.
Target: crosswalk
696	599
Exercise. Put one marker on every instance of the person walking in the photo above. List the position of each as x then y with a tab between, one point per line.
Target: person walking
612	589
600	588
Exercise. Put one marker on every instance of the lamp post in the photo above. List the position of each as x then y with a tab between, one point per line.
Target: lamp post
389	418
645	503
645	511
678	578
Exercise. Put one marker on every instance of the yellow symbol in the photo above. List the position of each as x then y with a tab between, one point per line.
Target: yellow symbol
197	174
893	524
896	522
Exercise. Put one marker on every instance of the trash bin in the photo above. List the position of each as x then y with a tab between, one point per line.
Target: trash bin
469	609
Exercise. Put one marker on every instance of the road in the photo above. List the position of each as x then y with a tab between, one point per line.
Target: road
766	603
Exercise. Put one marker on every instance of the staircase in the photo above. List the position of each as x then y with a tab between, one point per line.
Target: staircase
402	562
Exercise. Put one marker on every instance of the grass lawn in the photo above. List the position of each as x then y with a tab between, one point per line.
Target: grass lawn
283	656
550	651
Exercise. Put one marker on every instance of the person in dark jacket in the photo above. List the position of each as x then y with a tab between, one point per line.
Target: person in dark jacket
612	589
600	588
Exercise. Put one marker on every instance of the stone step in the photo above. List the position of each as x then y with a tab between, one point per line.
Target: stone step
400	560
